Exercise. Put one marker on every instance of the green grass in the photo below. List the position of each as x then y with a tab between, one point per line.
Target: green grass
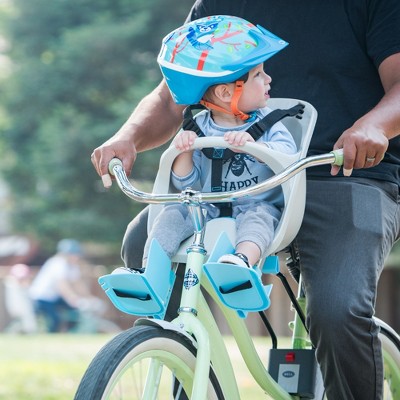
49	367
45	367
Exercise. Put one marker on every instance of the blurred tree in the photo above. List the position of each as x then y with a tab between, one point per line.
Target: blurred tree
78	69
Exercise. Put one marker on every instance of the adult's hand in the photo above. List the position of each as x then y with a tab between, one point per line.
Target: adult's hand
363	147
113	148
154	121
365	143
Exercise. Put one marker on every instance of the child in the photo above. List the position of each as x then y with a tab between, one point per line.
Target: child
218	61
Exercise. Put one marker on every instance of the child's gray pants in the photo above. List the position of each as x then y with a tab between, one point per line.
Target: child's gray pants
255	222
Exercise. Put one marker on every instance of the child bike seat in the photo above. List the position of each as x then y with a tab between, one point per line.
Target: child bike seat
293	190
239	288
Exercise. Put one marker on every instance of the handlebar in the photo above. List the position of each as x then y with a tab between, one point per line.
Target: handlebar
189	195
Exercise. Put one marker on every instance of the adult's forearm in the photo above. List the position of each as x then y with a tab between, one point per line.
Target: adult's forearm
386	115
154	121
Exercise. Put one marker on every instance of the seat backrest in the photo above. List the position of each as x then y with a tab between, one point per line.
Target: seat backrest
293	190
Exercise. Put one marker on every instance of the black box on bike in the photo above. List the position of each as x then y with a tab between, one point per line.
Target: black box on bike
294	370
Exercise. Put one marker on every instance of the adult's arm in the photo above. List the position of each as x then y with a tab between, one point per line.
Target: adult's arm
369	136
154	121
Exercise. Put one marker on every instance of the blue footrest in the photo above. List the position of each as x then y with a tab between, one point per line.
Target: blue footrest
239	288
143	294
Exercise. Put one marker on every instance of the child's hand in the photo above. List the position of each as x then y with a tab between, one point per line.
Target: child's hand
238	138
184	140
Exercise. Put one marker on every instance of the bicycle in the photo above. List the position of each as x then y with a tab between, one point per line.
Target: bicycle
187	358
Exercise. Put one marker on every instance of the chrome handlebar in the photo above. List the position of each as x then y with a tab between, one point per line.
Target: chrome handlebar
192	196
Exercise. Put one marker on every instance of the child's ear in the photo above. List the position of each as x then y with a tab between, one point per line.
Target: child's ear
224	92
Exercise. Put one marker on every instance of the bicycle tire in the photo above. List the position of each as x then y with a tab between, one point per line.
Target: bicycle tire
118	366
391	359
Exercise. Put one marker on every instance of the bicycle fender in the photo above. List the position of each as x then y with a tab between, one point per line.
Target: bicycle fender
165	325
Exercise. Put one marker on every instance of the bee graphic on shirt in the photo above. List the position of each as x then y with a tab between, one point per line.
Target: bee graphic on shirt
238	164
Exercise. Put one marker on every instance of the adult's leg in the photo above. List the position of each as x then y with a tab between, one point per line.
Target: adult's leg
348	230
69	316
134	240
49	311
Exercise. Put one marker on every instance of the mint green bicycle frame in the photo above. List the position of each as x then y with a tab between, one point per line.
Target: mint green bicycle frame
195	317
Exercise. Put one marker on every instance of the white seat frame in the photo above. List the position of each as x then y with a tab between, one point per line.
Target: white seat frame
294	190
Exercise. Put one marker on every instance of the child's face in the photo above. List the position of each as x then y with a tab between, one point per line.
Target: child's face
255	90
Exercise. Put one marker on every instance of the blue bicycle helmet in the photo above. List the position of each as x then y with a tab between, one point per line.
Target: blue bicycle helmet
213	50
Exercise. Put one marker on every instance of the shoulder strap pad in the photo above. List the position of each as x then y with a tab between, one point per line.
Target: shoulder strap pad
264	125
189	123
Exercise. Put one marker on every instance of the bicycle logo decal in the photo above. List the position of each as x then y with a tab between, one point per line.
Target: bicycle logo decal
190	279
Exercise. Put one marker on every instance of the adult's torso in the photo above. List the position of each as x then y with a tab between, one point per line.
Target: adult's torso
335	48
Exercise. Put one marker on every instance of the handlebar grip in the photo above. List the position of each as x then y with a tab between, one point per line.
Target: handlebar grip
113	163
339	159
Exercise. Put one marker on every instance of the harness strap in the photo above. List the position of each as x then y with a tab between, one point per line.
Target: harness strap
256	130
225	209
264	125
217	155
189	124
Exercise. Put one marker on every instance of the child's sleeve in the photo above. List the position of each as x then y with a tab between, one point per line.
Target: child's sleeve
279	138
182	182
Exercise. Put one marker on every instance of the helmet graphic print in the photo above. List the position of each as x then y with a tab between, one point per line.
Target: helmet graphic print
212	50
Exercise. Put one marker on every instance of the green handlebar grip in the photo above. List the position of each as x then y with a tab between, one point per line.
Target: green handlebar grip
339	159
113	163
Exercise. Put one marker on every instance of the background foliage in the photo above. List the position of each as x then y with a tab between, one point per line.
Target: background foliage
78	68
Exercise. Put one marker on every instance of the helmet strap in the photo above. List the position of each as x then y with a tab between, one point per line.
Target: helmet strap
234	103
214	106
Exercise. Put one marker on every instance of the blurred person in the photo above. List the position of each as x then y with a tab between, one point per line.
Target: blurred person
59	288
17	301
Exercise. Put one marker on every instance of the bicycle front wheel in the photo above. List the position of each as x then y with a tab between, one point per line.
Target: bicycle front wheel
144	362
391	359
